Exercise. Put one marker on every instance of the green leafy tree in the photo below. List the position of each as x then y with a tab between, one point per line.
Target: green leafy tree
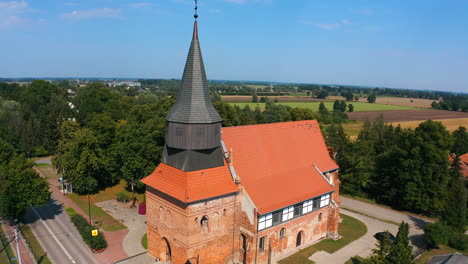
454	213
350	108
81	160
139	143
348	95
380	253
343	106
321	94
371	98
336	105
254	98
400	250
460	145
20	185
437	233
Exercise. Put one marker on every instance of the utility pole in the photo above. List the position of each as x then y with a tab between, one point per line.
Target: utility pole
18	253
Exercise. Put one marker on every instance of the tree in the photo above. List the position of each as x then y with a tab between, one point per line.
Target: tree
254	98
348	95
343	106
400	250
454	213
82	161
356	98
337	105
460	145
350	108
380	253
321	94
139	144
20	186
371	98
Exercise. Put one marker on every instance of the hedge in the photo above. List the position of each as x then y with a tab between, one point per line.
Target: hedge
94	242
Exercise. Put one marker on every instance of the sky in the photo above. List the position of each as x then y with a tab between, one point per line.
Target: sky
411	44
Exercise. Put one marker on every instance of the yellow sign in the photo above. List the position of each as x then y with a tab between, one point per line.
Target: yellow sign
94	232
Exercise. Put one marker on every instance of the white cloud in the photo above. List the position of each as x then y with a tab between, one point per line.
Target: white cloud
235	1
216	11
93	13
71	4
140	5
327	26
12	14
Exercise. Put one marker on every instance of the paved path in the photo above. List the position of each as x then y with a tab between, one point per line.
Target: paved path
135	223
57	235
361	247
43	161
114	250
383	213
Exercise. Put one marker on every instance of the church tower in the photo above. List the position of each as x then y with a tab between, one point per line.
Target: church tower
191	198
193	125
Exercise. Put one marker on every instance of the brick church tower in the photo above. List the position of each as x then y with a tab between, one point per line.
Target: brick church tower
191	195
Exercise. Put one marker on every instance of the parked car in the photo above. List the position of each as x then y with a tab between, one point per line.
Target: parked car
380	236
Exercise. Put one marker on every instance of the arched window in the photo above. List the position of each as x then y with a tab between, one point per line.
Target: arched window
204	223
168	218
282	233
161	215
320	217
215	221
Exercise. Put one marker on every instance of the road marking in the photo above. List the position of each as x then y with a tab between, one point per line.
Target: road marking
53	235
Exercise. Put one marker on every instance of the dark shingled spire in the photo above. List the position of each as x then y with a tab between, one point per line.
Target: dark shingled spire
193	105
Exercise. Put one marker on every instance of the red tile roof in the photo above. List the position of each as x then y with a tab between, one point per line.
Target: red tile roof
191	186
464	164
275	162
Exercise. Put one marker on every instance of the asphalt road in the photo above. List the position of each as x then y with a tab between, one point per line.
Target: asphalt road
58	236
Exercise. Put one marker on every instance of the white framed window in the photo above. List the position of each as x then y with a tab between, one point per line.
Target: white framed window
265	221
307	206
288	213
324	200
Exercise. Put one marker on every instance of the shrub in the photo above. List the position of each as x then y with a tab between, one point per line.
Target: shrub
41	151
123	196
459	241
94	242
437	233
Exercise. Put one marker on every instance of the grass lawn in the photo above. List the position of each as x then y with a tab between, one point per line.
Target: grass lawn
98	216
39	254
443	250
144	241
7	252
314	106
350	229
48	171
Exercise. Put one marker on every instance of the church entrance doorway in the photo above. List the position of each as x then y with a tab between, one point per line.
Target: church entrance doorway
243	249
300	237
165	251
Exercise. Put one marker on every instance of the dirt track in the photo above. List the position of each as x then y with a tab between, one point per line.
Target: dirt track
406	115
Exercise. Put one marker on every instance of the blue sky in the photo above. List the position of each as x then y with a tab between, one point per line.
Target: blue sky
416	44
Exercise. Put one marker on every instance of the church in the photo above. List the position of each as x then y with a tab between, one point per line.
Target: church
246	194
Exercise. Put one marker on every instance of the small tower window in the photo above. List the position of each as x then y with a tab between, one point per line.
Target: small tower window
320	217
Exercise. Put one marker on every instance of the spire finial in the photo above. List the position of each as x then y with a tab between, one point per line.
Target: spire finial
196	8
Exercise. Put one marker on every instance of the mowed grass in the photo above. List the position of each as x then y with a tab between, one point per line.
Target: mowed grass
98	216
48	171
314	106
39	254
350	229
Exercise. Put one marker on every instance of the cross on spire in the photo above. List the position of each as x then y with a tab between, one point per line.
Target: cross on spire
196	8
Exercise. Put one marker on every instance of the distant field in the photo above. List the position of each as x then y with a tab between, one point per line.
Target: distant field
451	124
407	115
314	106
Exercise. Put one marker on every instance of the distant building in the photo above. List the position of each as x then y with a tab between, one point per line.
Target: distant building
246	194
455	258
